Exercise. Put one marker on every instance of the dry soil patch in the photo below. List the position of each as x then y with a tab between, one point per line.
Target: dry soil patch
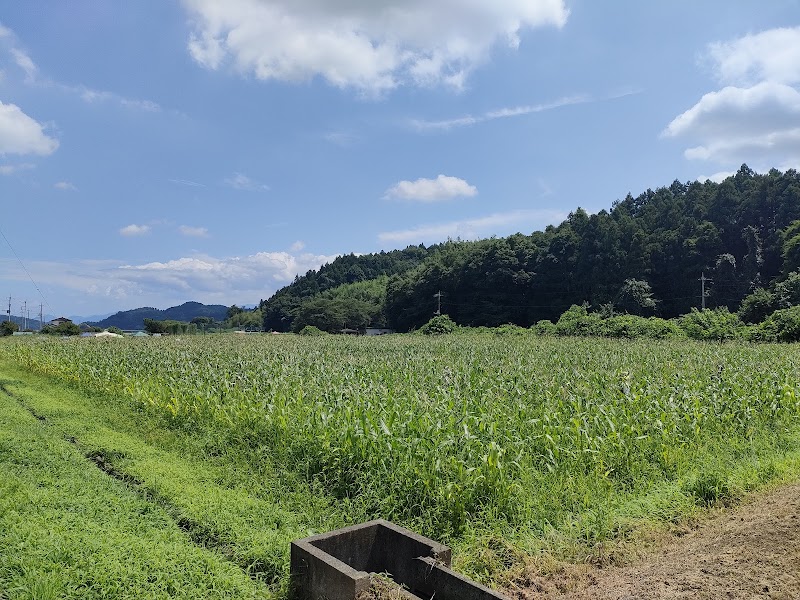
752	551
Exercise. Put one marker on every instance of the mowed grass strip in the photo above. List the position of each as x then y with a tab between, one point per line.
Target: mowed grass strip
67	530
249	516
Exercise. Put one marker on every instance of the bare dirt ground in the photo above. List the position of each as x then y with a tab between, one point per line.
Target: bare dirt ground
752	551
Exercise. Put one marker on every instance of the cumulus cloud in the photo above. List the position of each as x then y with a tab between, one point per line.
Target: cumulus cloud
470	229
240	181
193	231
297	246
98	285
263	271
772	55
20	134
134	230
756	118
431	190
371	45
65	186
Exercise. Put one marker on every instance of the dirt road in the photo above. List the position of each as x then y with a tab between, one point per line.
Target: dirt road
752	551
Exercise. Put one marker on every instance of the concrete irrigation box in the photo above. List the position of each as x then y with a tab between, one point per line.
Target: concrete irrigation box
339	565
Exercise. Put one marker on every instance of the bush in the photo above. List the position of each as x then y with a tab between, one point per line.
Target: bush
544	327
579	322
509	329
439	325
624	326
312	331
781	326
62	329
711	324
8	327
757	306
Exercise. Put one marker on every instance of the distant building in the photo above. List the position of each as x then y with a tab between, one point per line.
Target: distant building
59	321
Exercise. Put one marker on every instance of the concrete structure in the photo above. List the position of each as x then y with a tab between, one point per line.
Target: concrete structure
338	565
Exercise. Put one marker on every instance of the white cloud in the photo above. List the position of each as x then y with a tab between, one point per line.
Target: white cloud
11	169
240	181
502	113
20	134
756	119
134	230
740	113
371	45
65	186
91	96
25	63
186	182
264	271
107	285
470	229
716	177
432	190
193	231
297	246
772	55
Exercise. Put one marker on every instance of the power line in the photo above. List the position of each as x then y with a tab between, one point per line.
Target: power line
24	268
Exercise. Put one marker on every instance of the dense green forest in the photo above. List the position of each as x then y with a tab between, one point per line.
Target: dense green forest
644	256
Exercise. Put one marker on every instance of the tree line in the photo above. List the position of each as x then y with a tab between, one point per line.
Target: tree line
644	256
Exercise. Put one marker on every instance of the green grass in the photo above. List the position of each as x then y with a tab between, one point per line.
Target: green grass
69	531
502	446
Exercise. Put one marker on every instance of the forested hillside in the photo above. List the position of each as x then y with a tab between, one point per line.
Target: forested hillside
643	256
134	319
280	310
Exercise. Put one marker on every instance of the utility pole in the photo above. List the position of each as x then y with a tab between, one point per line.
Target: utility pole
41	316
25	315
8	312
438	295
702	281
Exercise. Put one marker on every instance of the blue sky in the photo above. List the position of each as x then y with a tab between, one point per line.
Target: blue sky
157	152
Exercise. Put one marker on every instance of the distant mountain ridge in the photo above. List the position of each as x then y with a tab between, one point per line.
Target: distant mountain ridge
134	319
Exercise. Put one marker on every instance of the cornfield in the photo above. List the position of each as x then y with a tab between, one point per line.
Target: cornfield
455	431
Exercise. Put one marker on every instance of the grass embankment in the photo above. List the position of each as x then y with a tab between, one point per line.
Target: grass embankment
67	530
502	447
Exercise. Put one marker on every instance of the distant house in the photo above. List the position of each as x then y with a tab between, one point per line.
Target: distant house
59	321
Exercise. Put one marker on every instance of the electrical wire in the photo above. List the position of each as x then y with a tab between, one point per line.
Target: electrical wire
24	268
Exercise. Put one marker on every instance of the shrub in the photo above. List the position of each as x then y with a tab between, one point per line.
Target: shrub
579	322
311	331
711	324
624	326
509	329
544	327
757	306
8	327
439	325
781	326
